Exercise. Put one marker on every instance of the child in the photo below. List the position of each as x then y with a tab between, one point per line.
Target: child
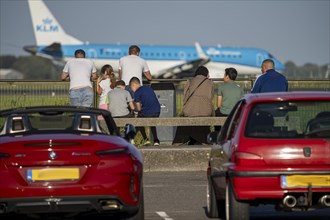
120	101
105	83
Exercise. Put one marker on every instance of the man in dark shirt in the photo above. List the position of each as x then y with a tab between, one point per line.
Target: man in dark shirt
270	80
147	105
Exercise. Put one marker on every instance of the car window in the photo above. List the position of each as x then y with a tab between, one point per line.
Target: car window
231	122
2	124
236	118
293	119
47	122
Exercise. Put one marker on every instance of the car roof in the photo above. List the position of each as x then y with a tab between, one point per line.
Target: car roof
284	96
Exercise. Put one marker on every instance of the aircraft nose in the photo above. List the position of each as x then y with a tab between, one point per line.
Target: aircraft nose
31	49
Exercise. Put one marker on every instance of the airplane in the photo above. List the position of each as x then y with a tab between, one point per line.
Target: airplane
163	61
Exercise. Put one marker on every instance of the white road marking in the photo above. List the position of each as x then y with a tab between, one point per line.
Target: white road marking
155	185
162	185
164	216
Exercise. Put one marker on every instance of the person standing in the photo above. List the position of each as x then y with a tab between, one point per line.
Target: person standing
104	84
120	101
147	105
270	80
79	71
133	65
198	97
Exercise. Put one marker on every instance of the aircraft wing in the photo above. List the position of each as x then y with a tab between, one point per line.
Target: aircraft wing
54	48
52	52
186	67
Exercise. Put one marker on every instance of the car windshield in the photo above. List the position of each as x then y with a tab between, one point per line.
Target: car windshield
292	119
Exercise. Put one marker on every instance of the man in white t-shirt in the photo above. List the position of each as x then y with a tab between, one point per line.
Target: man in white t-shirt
133	66
80	70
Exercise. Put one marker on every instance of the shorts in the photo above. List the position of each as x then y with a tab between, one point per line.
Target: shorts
82	97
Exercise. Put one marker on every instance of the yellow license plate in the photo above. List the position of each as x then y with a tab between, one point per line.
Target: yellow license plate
53	174
303	181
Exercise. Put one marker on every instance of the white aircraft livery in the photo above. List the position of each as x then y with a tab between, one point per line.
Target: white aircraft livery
54	43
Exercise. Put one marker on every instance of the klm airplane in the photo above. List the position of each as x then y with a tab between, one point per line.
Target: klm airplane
164	61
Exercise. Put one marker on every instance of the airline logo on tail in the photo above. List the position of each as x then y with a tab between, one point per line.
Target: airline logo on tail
47	26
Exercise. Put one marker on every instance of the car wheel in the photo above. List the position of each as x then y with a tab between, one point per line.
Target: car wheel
235	210
215	208
140	214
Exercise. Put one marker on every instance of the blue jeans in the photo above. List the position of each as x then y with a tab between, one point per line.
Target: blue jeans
82	97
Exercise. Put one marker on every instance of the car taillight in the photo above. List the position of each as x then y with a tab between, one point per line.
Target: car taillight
134	186
248	159
110	152
4	155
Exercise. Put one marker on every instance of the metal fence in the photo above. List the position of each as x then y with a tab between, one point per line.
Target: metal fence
21	93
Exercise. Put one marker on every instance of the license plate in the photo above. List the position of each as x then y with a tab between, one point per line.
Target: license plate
303	181
53	174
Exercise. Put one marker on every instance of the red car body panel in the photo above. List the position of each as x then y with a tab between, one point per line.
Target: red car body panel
99	167
264	168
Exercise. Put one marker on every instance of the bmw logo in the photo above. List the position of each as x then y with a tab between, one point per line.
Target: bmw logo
52	155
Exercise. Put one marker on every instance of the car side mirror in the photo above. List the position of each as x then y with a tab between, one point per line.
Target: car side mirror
212	137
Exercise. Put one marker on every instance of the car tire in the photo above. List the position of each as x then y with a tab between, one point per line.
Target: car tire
214	208
140	213
235	210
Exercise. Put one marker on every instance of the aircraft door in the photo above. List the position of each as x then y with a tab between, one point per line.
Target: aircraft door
259	59
91	53
182	55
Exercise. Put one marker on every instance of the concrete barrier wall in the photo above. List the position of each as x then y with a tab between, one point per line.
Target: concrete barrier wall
176	158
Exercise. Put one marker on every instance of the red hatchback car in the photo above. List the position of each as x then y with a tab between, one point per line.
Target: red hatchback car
274	148
63	161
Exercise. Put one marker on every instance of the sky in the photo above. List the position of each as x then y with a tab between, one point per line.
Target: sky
291	30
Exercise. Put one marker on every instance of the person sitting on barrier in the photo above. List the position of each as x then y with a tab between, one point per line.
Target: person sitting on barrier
198	97
270	80
228	94
147	105
120	101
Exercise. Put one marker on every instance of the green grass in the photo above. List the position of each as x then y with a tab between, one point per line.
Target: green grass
8	101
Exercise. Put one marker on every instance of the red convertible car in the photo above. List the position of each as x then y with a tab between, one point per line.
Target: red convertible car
274	148
65	161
